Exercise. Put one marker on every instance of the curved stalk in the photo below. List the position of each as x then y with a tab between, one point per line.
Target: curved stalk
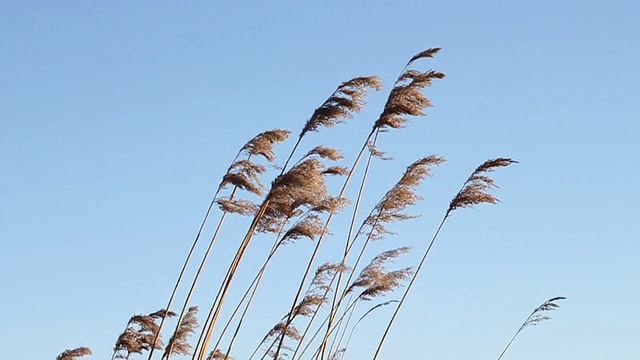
318	243
413	278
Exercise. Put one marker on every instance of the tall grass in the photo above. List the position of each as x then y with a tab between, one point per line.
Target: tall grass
318	321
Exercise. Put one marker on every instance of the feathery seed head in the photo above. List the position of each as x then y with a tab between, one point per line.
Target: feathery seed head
72	354
538	314
179	344
401	195
217	355
475	188
262	144
406	98
346	100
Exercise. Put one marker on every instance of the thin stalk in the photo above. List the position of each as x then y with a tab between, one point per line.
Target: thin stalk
213	314
350	307
511	341
186	263
197	276
182	271
253	293
347	248
415	276
318	243
534	318
224	287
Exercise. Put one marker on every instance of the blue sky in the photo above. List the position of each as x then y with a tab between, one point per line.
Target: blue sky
117	120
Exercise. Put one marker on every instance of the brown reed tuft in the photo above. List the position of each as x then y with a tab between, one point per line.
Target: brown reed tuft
72	354
401	195
347	99
376	279
262	144
302	187
218	355
178	343
141	334
474	190
406	98
310	226
325	152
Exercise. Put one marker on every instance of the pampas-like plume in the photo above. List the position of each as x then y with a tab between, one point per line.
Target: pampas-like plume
474	190
310	226
376	280
262	144
406	98
74	353
142	334
347	99
301	187
178	344
537	316
218	355
401	195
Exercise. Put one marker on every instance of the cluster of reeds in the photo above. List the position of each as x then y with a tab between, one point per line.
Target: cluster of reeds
319	320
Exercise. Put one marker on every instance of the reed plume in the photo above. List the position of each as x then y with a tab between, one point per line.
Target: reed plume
217	355
375	280
473	192
73	354
537	316
141	334
406	97
178	343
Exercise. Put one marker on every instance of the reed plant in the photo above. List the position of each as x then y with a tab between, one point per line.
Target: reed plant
299	205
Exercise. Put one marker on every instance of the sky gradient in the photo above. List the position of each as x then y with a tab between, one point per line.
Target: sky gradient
117	120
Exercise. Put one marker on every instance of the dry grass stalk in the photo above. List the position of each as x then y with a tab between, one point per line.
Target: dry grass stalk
241	174
314	298
388	209
473	192
298	188
405	99
72	354
309	225
537	316
178	343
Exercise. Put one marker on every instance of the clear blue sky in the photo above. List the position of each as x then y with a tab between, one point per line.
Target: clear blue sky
118	118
